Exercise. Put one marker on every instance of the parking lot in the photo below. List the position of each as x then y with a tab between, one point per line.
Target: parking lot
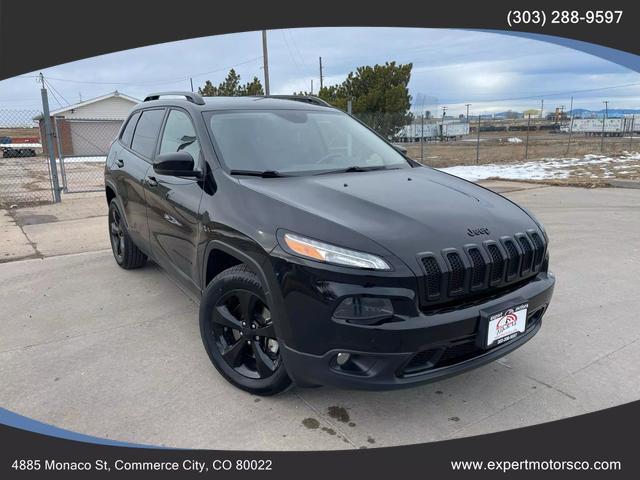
87	346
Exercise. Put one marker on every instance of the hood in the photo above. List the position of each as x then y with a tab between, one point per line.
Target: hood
407	211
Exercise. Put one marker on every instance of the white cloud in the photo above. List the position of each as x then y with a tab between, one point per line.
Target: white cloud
451	67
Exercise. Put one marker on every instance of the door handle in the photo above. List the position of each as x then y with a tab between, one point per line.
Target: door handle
120	163
152	182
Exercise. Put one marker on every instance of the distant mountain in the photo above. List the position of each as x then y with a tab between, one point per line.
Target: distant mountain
613	112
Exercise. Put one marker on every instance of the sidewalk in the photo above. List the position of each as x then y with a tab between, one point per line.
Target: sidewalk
76	225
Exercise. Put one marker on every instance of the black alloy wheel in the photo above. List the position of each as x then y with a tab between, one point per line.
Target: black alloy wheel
239	335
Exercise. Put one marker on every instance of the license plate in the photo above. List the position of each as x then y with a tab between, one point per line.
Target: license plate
505	325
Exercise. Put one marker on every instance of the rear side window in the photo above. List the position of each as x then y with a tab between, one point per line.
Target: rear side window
127	134
179	135
146	133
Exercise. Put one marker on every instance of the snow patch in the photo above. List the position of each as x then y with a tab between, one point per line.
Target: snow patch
543	169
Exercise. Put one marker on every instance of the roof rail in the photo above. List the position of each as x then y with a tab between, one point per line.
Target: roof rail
303	98
190	96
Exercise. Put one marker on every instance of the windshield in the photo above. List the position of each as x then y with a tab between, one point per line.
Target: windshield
298	142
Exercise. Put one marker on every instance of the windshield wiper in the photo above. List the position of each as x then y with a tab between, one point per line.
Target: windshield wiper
257	173
357	168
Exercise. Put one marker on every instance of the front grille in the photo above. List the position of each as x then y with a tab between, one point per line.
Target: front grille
538	246
433	274
480	269
527	254
514	258
497	263
456	277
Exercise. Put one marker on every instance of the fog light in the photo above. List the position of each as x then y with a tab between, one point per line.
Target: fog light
342	358
364	310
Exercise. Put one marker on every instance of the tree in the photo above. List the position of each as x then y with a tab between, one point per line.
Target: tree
379	96
253	87
231	87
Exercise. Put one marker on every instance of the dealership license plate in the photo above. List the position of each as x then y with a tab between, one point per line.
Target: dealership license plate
506	325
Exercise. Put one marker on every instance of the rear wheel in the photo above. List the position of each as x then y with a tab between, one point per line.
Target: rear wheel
238	333
126	253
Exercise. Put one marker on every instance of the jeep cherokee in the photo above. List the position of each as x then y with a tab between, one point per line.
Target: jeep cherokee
322	255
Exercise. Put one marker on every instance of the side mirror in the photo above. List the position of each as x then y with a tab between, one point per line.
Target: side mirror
176	164
400	148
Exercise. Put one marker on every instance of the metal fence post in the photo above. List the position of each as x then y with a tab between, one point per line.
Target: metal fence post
570	127
60	156
526	145
422	139
633	126
478	143
49	140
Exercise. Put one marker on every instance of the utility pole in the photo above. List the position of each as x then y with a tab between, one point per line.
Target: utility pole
541	107
467	105
606	109
265	59
312	86
321	78
49	141
191	81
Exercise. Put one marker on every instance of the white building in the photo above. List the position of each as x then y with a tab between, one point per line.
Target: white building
89	127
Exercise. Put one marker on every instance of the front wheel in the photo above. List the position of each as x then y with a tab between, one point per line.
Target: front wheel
238	334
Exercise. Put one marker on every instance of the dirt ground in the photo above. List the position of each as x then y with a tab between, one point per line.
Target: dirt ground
26	180
495	147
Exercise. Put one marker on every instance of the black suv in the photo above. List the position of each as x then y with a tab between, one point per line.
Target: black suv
322	255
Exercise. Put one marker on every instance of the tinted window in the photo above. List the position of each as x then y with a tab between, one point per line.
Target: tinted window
299	141
144	138
179	135
127	133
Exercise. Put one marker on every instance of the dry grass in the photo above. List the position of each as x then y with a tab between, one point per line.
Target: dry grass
20	132
495	148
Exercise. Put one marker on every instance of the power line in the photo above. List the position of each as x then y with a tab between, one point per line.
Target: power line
295	61
55	91
143	84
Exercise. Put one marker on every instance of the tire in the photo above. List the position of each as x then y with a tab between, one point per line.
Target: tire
125	252
248	361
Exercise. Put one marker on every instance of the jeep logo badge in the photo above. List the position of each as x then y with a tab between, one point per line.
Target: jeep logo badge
472	232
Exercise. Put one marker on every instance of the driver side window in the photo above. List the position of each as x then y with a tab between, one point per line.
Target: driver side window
179	135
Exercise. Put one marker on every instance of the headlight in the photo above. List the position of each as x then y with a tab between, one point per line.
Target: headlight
327	253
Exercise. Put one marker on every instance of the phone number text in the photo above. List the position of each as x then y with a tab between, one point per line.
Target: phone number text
563	17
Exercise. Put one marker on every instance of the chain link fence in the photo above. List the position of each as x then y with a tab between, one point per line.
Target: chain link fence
81	146
523	147
25	173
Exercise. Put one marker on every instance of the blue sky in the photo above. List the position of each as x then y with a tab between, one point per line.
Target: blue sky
493	72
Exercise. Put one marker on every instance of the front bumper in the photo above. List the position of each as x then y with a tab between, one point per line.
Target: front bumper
419	347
